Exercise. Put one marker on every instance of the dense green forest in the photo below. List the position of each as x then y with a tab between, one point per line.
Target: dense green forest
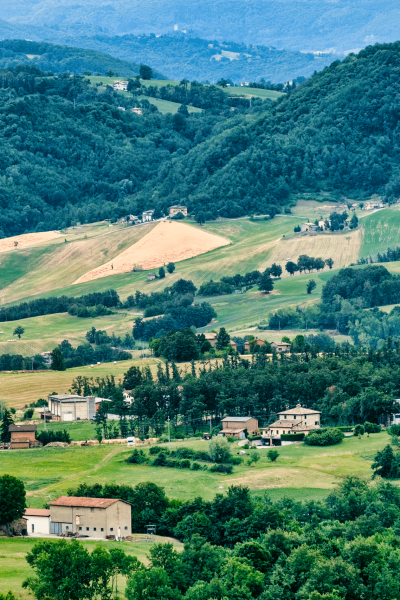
182	55
315	25
335	132
59	59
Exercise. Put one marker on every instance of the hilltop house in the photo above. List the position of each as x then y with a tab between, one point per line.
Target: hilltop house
295	420
92	517
236	426
147	216
308	227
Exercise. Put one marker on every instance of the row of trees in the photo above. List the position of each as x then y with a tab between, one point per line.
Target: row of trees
308	263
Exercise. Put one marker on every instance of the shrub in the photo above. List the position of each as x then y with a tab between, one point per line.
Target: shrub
201	456
345	428
195	466
272	455
386	464
372	427
161	460
53	436
394	430
183	453
221	469
156	450
184	464
292	437
324	437
137	457
359	430
235	460
218	450
28	414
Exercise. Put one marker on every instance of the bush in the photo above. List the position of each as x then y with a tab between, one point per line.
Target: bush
161	460
218	450
156	450
292	437
202	456
221	469
53	436
358	430
235	460
272	455
372	427
184	464
137	457
324	437
195	466
183	453
28	414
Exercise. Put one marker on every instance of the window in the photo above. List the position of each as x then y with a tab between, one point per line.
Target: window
277	431
87	528
102	529
111	528
317	422
94	528
126	527
80	528
294	416
67	528
285	416
33	528
92	510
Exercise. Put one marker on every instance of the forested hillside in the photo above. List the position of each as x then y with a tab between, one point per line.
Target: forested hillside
295	24
191	57
68	154
59	59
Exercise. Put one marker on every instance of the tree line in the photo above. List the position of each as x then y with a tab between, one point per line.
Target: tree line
308	263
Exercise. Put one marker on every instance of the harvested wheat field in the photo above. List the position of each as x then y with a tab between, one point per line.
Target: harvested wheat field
27	239
344	249
168	242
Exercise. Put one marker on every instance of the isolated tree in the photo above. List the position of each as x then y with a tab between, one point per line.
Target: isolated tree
222	82
311	285
329	263
57	360
291	267
353	221
272	455
386	464
184	83
12	500
266	284
7	420
170	267
219	449
19	331
253	458
161	272
146	72
110	73
200	217
275	270
319	264
223	339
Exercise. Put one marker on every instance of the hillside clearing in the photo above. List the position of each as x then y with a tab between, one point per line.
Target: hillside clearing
169	241
27	239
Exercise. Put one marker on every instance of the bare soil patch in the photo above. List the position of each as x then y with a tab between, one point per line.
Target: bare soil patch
168	242
27	239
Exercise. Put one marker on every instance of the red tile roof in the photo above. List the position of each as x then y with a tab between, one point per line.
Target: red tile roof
85	502
37	512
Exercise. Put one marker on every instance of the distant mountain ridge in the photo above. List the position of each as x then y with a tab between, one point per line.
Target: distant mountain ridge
312	25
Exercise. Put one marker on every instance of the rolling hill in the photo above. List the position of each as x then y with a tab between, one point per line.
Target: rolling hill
315	25
59	59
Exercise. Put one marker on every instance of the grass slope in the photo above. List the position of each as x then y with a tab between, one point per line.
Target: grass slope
381	230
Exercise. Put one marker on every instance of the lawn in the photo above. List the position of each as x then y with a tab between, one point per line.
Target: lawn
14	569
50	472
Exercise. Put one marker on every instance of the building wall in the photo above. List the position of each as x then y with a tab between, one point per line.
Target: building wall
40	524
251	425
311	419
174	210
96	522
16	435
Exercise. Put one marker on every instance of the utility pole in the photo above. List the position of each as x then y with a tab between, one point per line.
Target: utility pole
169	438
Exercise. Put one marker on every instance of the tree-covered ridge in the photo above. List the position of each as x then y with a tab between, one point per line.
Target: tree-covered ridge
68	154
336	132
59	59
189	56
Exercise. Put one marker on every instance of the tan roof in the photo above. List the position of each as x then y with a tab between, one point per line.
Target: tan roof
85	502
37	512
236	419
231	430
299	410
280	344
210	336
287	424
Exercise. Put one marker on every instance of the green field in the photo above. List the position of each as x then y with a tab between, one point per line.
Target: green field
381	230
14	569
50	472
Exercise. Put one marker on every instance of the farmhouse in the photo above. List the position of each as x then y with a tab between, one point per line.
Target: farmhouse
147	216
23	436
236	426
248	344
137	111
211	337
177	208
309	227
121	86
280	346
37	520
93	517
295	420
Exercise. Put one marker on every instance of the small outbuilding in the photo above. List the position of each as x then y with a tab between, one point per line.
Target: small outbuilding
23	436
151	276
176	209
37	520
280	346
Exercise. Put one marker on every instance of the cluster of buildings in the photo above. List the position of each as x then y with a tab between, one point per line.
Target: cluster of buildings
277	346
148	215
295	420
